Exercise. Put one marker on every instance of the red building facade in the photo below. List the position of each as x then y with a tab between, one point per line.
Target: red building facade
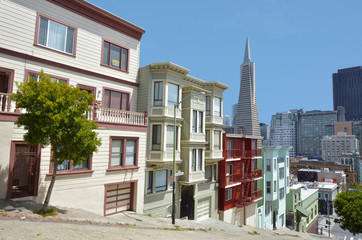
238	172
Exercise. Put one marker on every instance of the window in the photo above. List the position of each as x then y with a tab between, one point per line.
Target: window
55	35
157	181
208	173
217	106
161	181
156	137
281	193
196	160
149	182
172	98
228	194
319	195
275	164
67	166
197	121
326	196
268	187
207	133
281	173
275	186
230	169
6	81
208	109
115	56
123	152
35	76
217	140
268	165
158	94
200	122
170	138
115	100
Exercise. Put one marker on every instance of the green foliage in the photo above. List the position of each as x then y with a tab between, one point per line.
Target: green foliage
348	205
48	212
55	114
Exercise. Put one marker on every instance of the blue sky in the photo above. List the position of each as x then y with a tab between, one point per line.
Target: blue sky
296	45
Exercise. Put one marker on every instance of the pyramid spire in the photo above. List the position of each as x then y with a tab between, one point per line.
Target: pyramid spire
247	57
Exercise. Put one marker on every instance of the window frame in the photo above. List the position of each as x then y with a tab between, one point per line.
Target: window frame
10	80
109	56
116	90
208	105
220	110
168	94
152	186
158	135
268	165
37	25
167	139
196	162
28	72
72	170
228	194
268	186
154	95
197	125
219	139
123	160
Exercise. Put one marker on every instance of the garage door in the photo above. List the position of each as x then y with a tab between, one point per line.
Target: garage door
118	198
203	208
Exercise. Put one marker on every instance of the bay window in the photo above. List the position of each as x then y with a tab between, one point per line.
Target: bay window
172	97
217	140
208	106
170	138
156	137
197	121
55	35
196	160
158	94
217	106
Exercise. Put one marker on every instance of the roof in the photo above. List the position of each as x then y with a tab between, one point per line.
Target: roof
306	193
101	16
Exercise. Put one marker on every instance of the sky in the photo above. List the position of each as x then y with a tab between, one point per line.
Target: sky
296	45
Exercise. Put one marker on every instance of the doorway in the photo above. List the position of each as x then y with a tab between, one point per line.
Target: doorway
24	170
187	202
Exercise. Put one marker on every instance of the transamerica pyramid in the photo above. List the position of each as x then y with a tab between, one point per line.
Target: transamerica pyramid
247	111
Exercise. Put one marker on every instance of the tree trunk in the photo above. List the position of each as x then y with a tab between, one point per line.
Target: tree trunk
50	189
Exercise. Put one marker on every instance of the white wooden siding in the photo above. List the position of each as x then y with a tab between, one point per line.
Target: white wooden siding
17	26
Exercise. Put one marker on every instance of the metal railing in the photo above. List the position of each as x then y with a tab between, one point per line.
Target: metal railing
256	173
257	194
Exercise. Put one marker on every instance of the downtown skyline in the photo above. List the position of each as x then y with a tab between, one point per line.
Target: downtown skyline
296	46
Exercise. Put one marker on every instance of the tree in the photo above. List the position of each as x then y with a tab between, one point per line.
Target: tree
55	116
348	205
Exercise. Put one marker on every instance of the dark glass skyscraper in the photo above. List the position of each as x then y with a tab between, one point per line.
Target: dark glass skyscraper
347	92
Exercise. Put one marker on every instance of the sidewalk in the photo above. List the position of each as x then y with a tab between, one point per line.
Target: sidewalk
24	210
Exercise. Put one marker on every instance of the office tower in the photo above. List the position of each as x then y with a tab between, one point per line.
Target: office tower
283	130
265	133
247	112
347	92
234	109
226	120
336	145
311	129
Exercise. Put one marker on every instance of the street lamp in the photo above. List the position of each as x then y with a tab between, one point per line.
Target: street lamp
174	152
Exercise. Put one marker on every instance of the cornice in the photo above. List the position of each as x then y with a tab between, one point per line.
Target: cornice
101	16
168	67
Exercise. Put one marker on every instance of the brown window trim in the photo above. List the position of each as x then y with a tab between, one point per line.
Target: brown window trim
120	64
27	72
72	170
11	79
117	90
90	88
110	168
38	15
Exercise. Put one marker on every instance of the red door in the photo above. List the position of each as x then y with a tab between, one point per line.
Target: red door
24	170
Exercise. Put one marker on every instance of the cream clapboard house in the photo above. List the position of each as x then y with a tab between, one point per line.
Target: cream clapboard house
85	46
198	141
